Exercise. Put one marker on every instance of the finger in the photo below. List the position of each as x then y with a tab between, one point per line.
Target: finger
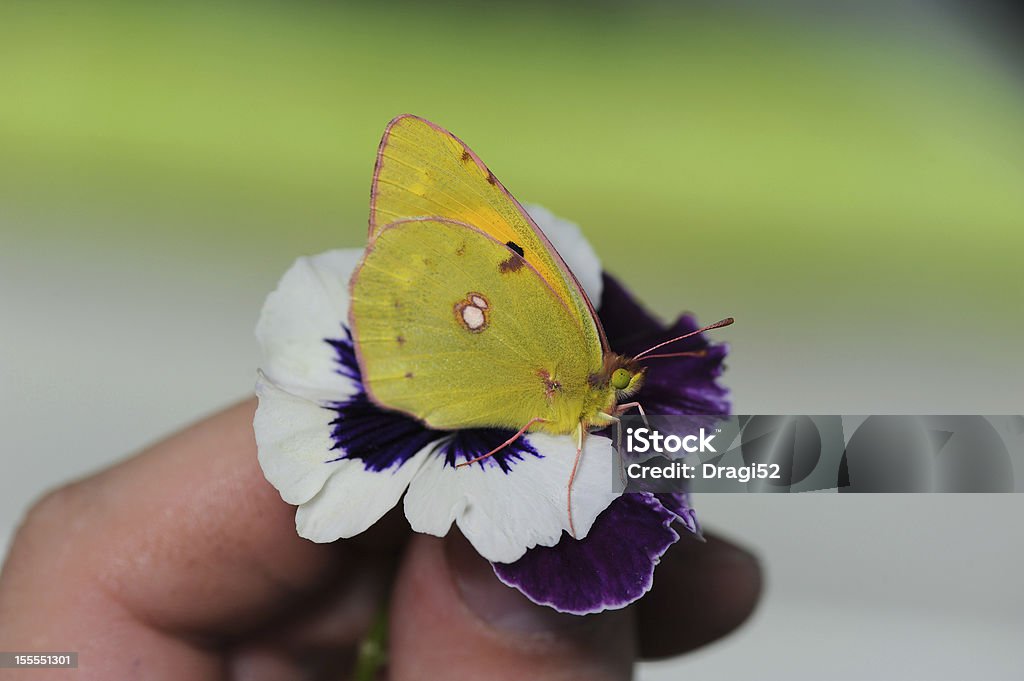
320	642
701	592
185	541
451	618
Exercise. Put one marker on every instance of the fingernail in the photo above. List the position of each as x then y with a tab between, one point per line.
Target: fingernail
499	605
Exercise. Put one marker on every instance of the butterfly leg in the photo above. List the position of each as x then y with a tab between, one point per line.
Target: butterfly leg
504	444
618	445
630	405
618	428
580	435
618	449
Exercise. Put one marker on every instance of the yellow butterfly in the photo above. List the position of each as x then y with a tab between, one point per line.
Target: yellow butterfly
464	315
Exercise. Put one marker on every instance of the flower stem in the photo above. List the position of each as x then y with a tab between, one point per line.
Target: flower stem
373	650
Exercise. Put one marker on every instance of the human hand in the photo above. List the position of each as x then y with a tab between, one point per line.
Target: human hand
183	563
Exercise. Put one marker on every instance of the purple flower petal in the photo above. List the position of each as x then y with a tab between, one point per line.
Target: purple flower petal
609	568
678	385
679	504
381	439
625	321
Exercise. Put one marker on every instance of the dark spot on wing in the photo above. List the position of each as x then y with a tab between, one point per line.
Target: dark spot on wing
551	386
466	158
514	263
491	178
401	340
461	249
408	374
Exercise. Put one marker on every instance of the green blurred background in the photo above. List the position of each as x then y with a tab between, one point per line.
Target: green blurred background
729	151
846	179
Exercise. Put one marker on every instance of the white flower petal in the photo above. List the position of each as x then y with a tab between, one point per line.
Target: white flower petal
502	514
354	498
574	248
293	440
309	306
336	499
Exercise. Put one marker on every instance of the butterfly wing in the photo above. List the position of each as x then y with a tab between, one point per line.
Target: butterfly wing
424	170
457	329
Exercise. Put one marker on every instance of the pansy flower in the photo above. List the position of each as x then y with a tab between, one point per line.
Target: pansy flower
345	462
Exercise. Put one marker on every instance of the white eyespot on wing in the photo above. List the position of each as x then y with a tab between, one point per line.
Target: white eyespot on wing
473	317
471	312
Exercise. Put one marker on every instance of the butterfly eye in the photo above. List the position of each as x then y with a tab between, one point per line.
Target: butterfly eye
620	379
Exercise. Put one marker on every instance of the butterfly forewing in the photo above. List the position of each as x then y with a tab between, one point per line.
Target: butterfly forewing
424	170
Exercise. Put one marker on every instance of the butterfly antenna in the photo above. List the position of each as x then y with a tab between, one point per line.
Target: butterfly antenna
717	325
688	353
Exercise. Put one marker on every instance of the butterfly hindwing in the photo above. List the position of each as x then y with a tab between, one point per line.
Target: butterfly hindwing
454	327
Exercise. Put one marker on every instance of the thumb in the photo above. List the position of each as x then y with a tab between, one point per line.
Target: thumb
452	619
